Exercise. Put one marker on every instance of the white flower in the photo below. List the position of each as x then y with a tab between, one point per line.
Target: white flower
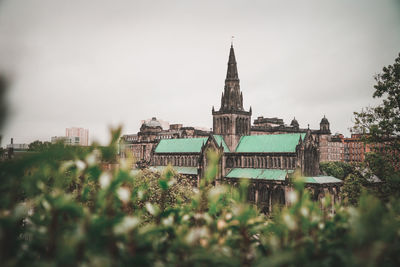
105	179
289	221
80	165
293	196
151	209
196	234
127	224
228	216
124	194
171	182
168	221
92	158
304	211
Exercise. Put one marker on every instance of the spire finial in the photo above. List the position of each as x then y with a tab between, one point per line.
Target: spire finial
232	37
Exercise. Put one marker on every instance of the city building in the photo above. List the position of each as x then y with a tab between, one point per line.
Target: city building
70	141
13	150
266	153
355	149
140	145
80	134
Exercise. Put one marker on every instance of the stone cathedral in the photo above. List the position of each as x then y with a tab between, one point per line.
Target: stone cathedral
266	153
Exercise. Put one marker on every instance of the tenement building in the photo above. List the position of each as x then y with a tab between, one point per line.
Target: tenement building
267	153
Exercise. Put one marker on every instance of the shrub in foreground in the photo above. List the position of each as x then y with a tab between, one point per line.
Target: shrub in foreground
59	207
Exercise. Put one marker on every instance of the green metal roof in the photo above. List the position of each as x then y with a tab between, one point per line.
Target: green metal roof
269	143
220	139
181	145
264	174
322	180
178	169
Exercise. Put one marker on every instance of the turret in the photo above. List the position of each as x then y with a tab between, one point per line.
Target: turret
324	126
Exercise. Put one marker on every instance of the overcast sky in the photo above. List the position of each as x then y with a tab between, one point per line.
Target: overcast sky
96	64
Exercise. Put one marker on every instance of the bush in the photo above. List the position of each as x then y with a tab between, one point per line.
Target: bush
60	207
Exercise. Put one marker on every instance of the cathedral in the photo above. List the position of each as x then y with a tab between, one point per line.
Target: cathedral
267	153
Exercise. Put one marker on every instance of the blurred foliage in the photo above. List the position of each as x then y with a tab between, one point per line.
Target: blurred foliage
61	206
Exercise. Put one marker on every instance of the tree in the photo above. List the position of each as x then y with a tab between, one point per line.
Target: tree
337	169
382	123
39	146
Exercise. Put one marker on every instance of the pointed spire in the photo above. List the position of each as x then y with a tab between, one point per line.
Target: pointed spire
232	73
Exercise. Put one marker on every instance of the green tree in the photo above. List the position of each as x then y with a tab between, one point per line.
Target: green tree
337	169
382	123
380	127
39	146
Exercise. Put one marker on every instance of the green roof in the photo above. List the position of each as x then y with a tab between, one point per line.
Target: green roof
269	143
264	174
322	180
220	139
181	145
178	169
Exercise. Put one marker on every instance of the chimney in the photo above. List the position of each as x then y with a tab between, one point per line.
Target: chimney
12	140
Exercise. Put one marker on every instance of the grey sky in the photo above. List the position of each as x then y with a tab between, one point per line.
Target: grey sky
98	63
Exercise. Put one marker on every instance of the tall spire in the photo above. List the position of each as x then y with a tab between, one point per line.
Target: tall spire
232	100
232	73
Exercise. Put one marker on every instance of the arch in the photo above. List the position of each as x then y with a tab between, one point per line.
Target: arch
251	193
277	197
264	194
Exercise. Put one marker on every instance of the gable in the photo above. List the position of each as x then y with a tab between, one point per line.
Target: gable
181	145
269	143
219	139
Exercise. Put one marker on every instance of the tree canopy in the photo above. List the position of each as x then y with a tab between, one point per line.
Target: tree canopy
382	123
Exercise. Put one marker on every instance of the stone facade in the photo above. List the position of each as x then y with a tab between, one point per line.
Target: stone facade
141	145
267	153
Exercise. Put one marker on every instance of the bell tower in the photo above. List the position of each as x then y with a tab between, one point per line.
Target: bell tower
231	120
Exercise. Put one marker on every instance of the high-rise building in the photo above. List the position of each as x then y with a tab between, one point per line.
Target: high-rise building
81	133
